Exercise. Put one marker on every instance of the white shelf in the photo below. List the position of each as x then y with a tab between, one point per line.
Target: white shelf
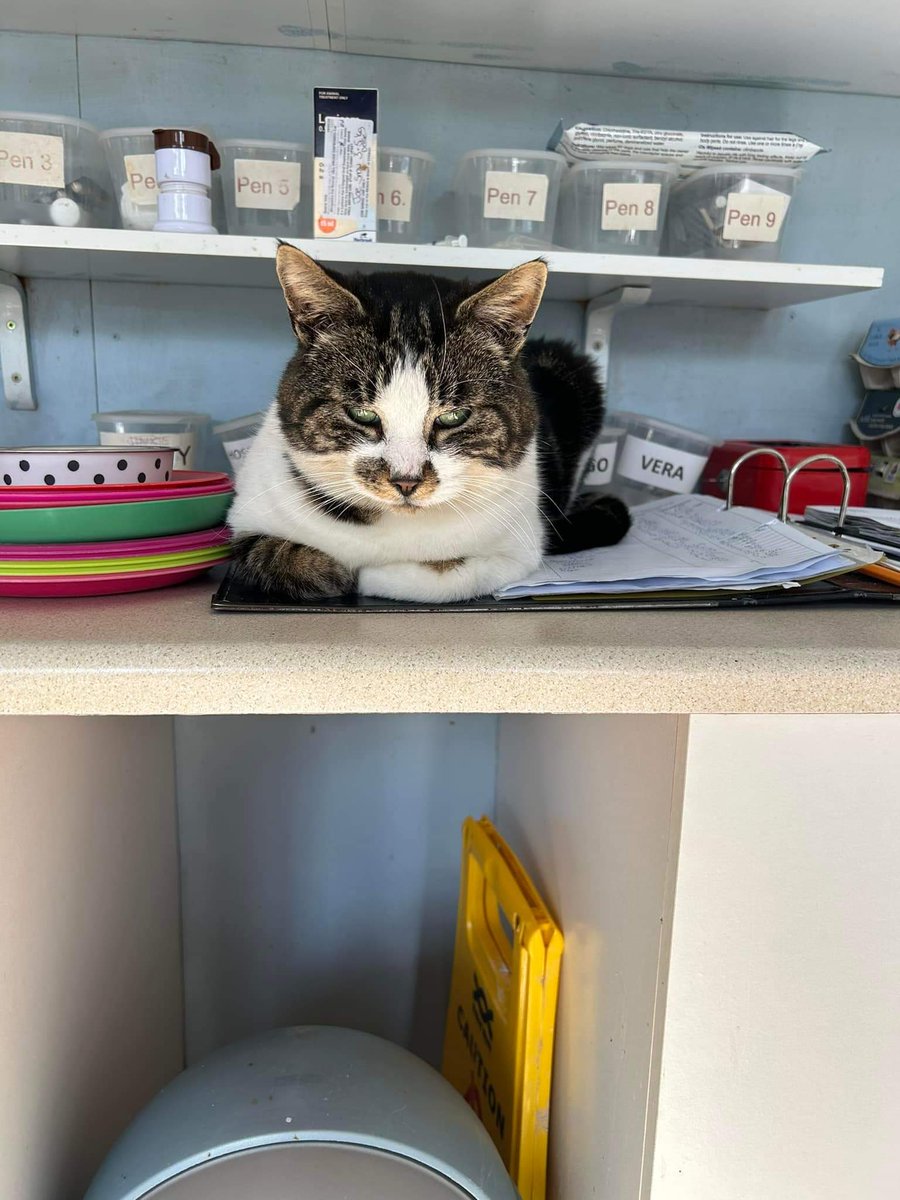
45	252
166	652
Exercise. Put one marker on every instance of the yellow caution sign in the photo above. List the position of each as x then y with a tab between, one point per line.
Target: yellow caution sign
498	1045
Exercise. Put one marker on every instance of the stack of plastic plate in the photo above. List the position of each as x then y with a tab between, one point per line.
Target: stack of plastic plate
91	521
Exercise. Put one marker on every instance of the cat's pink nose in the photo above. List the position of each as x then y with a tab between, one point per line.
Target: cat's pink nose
407	485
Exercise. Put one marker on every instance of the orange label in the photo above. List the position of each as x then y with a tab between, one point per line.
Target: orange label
327	224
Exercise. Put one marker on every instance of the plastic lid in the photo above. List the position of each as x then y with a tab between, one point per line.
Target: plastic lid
544	155
135	131
628	419
749	169
251	420
52	117
266	145
149	417
408	153
625	164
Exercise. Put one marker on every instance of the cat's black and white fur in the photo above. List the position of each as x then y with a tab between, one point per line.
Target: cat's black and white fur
415	450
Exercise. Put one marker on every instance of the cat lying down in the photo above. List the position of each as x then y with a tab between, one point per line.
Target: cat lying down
417	449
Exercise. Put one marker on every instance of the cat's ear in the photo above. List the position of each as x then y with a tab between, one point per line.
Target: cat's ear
312	295
509	304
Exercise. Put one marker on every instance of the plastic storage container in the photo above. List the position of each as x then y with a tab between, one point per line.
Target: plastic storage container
656	459
52	172
267	187
731	211
615	207
306	1112
403	177
236	437
184	432
132	165
508	197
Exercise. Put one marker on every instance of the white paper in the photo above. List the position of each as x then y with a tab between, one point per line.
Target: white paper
754	217
691	543
515	195
660	466
348	157
598	470
395	193
266	183
140	177
32	159
630	206
688	148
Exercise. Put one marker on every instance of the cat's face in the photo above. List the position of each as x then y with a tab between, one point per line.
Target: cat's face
405	391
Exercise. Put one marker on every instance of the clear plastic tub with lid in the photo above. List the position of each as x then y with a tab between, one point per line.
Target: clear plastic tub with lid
656	458
184	432
403	177
267	187
731	211
508	197
237	437
132	165
615	207
52	172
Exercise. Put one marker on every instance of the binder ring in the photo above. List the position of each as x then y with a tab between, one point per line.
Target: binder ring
845	499
729	498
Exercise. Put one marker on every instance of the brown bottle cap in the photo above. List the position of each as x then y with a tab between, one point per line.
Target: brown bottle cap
187	139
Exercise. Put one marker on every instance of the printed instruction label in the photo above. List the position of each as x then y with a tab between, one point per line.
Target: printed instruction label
262	183
601	461
754	216
349	151
184	444
140	177
515	196
630	206
395	192
660	466
32	159
687	147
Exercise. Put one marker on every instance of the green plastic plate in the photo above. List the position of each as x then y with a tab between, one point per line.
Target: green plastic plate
113	522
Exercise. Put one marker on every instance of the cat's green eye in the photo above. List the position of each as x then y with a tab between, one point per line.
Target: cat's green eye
452	418
363	416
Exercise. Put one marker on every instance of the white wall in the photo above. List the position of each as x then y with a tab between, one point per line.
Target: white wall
320	870
91	1002
781	1054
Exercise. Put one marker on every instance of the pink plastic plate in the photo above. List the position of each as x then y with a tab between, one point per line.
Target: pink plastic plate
18	498
103	585
177	543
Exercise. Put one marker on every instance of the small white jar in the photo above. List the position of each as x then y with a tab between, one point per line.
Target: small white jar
185	160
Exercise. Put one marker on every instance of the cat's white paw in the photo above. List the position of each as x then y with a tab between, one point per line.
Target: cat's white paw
441	583
399	581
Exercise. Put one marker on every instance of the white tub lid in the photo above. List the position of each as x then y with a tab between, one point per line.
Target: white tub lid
266	145
149	416
625	164
135	131
544	155
402	150
749	169
249	422
53	117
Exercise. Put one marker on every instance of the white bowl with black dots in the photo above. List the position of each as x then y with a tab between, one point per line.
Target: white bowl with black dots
84	466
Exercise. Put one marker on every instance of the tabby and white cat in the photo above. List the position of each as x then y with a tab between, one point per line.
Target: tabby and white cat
415	450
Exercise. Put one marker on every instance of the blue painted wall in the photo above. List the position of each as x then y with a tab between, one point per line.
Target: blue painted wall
784	373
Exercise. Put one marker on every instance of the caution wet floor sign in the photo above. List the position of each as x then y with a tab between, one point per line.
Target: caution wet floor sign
498	1045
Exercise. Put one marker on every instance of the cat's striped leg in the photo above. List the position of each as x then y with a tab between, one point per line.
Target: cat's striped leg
281	567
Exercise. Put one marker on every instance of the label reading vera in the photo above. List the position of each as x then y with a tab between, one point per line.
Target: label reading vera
630	206
184	444
32	159
511	196
599	468
140	177
261	183
754	216
660	466
395	192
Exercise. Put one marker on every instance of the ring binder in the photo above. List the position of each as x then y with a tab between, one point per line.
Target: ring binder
789	476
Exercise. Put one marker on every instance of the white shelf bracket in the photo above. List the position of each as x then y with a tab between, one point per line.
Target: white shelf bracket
15	364
598	322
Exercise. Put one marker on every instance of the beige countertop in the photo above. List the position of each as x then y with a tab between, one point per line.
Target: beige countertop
166	652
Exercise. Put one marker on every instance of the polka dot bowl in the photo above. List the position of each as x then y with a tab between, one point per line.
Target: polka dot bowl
83	466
